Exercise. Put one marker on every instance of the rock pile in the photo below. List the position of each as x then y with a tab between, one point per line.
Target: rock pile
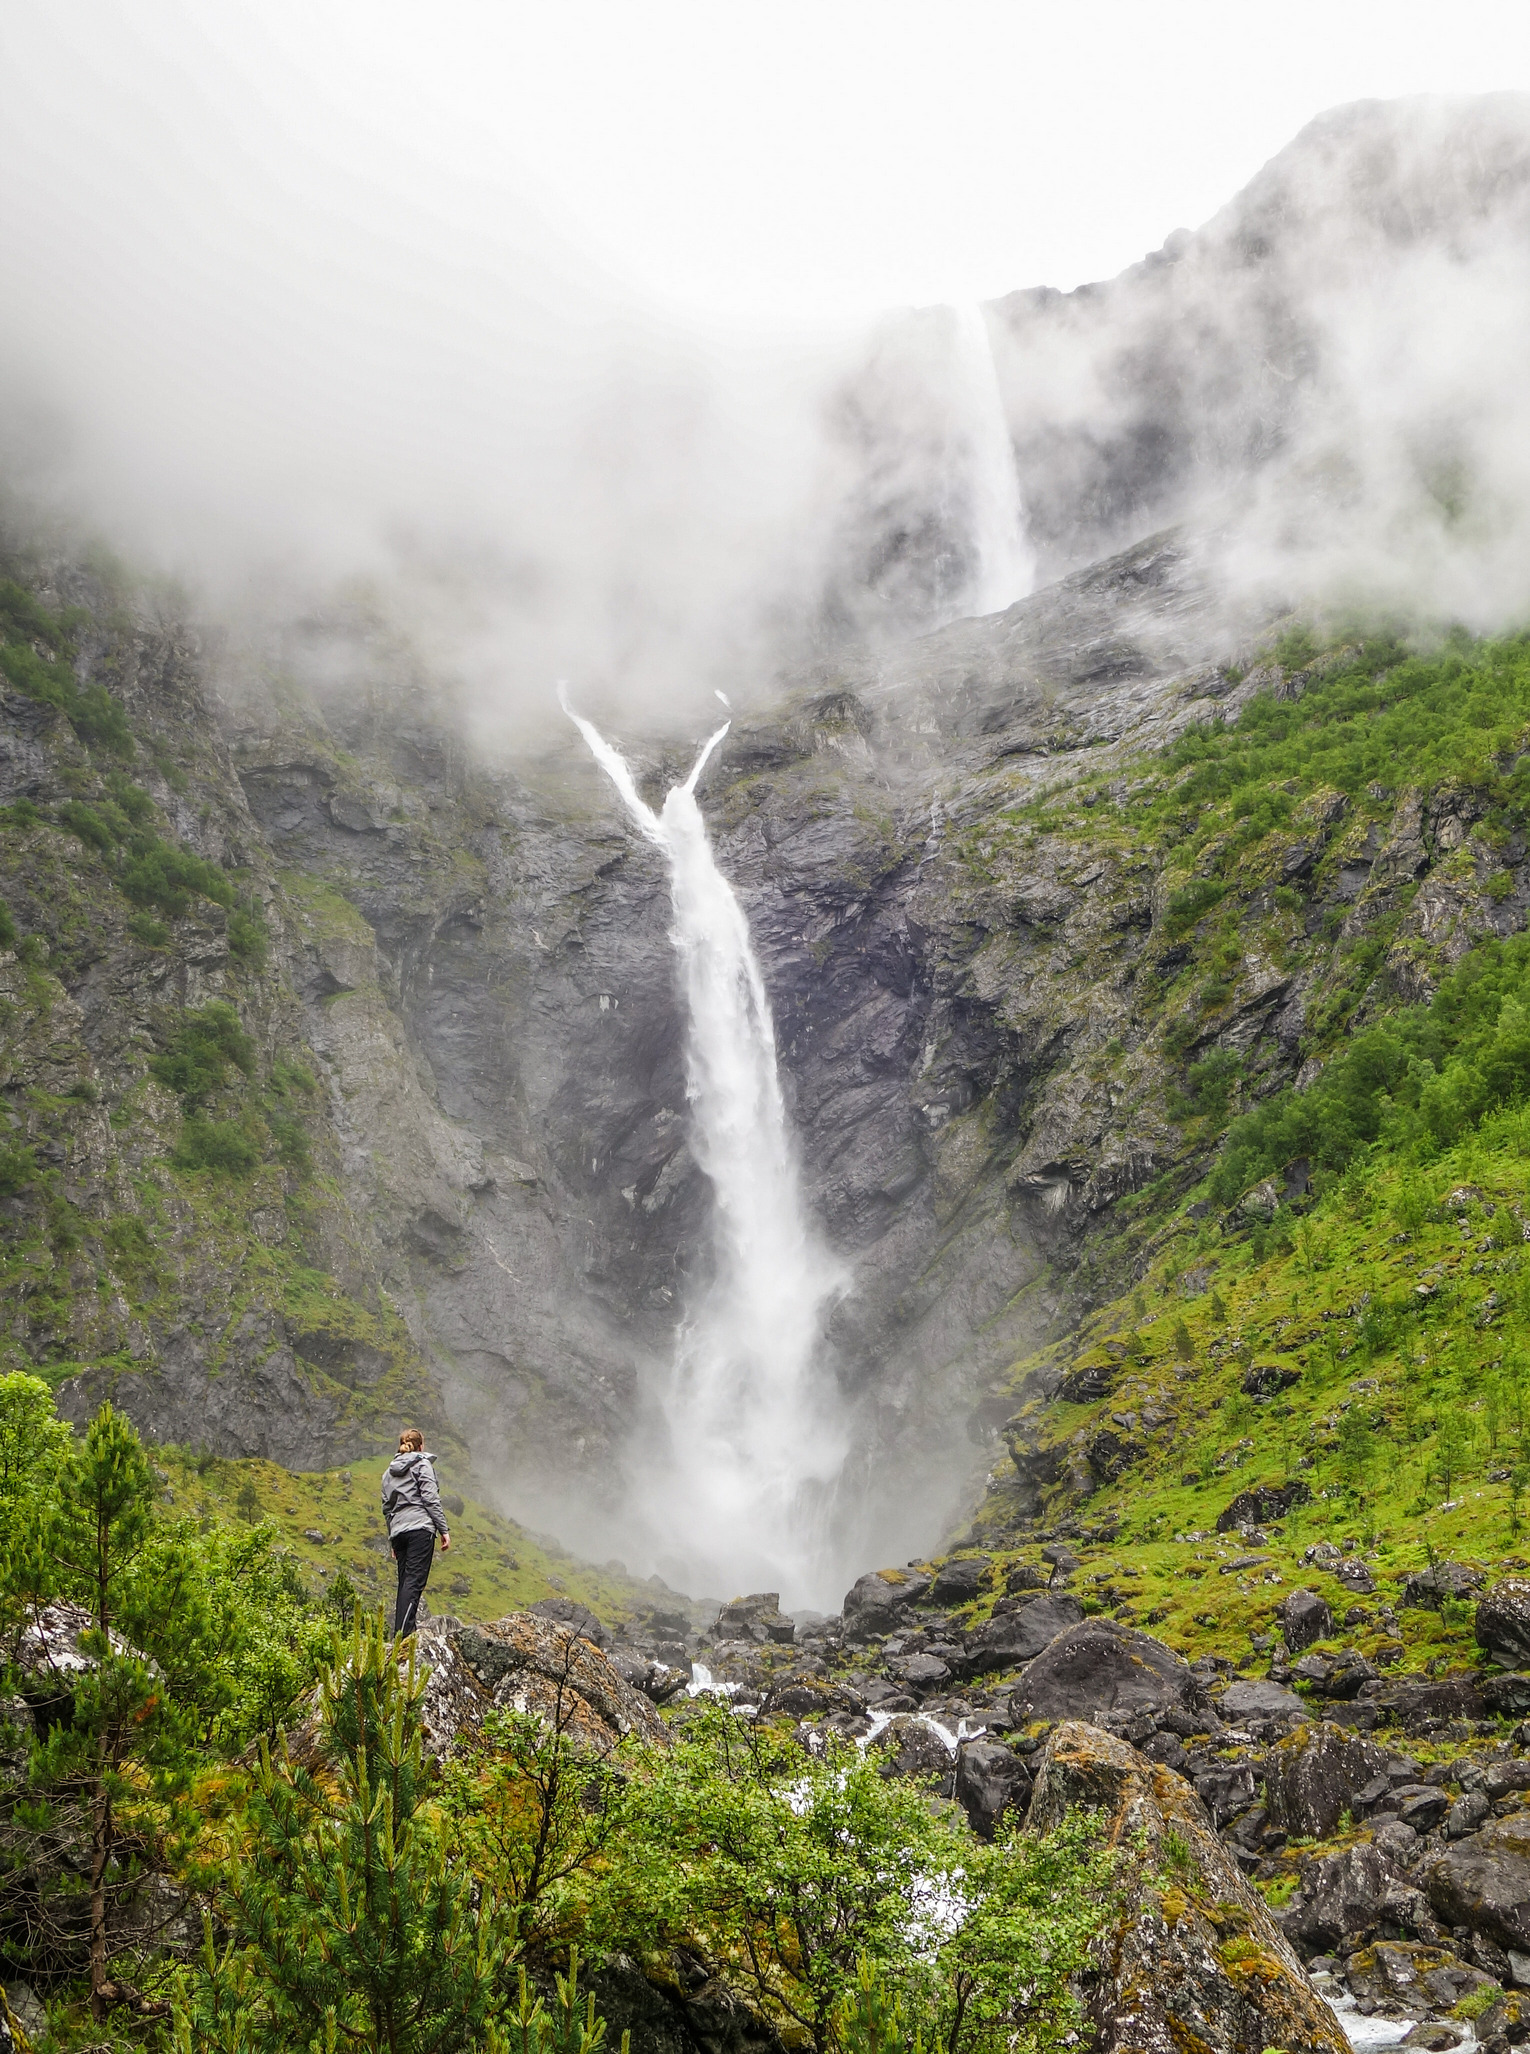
1400	1880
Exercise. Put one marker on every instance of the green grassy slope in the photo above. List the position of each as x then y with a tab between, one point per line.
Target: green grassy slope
1356	1251
492	1567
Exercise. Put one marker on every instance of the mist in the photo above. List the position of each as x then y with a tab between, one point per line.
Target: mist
274	354
266	346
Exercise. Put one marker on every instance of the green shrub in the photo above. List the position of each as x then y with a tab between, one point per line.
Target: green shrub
1187	905
160	874
88	824
18	1167
291	1138
216	1145
208	1044
247	938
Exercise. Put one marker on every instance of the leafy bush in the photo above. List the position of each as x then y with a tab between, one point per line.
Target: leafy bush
1185	906
161	874
247	938
208	1044
18	1167
216	1145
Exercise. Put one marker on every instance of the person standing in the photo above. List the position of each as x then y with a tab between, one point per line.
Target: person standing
412	1507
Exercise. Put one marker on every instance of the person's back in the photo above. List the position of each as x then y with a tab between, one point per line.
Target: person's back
411	1503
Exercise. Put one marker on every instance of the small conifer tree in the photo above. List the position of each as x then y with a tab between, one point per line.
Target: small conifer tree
347	1918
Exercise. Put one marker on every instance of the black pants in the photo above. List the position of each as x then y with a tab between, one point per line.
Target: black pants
413	1553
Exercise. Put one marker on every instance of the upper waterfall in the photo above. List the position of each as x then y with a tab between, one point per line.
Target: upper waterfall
736	1491
1003	568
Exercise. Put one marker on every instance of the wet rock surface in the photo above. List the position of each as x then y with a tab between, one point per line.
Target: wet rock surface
1194	1957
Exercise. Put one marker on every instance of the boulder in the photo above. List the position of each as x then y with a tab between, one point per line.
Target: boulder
1423	1806
958	1582
990	1781
1253	1699
1191	1957
1417	1704
1347	1898
1097	1667
1341	1675
569	1612
1225	1791
920	1672
1424	1591
1356	1577
1313	1776
1269	1379
1407	1976
875	1603
1257	1507
1024	1576
656	1679
1507	1696
1466	1814
758	1617
1304	1618
1503	1621
910	1747
1483	1882
1013	1637
1505	2024
527	1663
1503	1776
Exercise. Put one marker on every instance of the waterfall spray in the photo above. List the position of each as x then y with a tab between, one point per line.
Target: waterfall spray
1003	570
738	1491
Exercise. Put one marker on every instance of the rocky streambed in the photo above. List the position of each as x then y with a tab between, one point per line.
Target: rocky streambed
1367	1840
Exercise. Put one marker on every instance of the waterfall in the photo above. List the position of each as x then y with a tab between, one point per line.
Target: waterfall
1002	573
736	1493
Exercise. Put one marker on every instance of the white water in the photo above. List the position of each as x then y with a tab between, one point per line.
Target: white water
736	1490
1004	567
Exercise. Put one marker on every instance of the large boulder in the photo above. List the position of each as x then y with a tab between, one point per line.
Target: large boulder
1483	1882
1257	1507
1314	1775
527	1663
876	1603
1304	1618
1098	1667
1503	1621
1427	1589
911	1747
1347	1898
958	1582
570	1612
1407	1976
1342	1674
1258	1699
1190	1958
1419	1703
758	1617
1013	1637
991	1780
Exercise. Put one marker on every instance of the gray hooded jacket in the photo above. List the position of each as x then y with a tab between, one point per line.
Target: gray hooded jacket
410	1499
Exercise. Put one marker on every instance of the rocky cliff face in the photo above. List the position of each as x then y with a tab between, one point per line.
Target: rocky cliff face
492	1196
482	959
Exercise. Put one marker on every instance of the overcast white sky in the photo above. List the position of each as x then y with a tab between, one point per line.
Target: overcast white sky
334	282
797	159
